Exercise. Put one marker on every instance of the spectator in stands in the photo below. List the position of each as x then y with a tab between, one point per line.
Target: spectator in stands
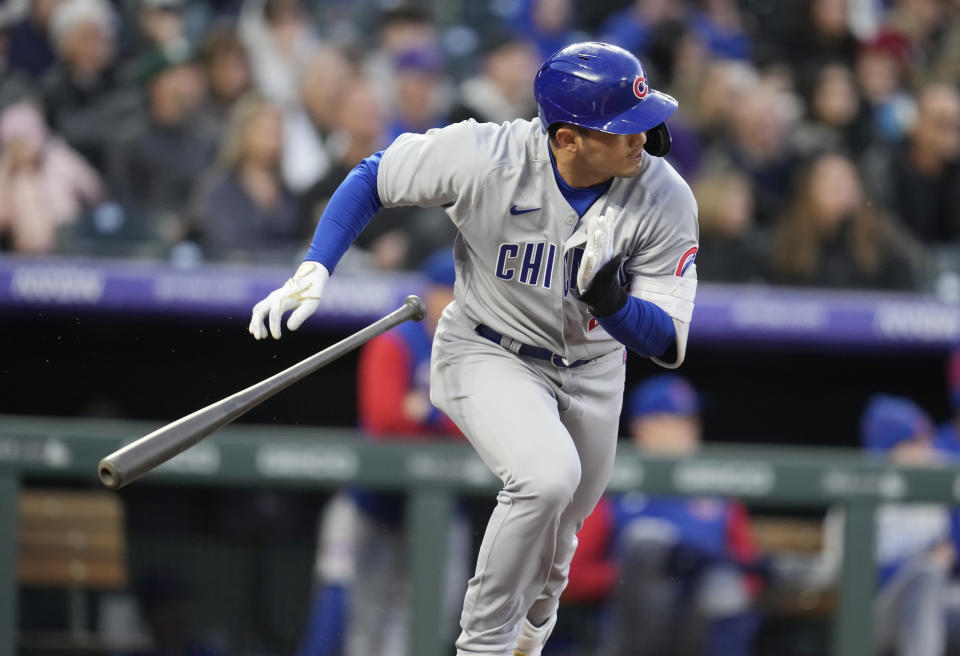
323	83
944	63
758	144
243	208
31	52
914	553
922	24
675	567
502	90
678	56
919	179
836	117
360	130
632	28
360	561
422	100
226	67
720	25
714	97
831	237
731	247
820	33
677	59
550	24
401	237
406	28
44	184
162	38
14	85
153	170
882	67
86	102
280	40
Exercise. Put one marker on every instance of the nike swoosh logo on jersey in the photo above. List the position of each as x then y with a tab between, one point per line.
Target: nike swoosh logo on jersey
515	210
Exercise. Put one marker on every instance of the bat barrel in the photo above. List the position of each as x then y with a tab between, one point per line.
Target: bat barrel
132	461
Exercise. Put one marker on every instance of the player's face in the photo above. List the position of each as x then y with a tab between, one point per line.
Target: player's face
611	155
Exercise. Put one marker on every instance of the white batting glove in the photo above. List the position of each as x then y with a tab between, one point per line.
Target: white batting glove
301	293
597	252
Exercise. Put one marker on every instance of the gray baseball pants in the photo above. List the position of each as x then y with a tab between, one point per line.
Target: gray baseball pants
910	611
550	434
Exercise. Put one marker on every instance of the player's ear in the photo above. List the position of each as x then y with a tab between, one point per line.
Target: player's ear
567	138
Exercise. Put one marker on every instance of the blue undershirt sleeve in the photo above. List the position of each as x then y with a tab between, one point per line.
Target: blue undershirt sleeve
349	211
641	326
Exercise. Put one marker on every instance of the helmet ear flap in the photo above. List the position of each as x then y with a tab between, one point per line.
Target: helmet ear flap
659	140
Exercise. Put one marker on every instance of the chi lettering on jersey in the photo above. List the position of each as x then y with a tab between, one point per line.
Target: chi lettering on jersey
530	263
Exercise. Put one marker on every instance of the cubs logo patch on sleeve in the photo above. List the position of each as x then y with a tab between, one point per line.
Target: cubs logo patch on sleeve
686	261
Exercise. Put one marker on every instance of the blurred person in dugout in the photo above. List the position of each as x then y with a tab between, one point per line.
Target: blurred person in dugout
948	433
831	236
167	609
242	207
673	568
44	184
913	550
361	574
947	442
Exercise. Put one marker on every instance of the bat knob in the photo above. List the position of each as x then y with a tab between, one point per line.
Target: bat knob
416	306
109	475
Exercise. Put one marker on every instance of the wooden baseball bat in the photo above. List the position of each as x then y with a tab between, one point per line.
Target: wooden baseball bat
132	461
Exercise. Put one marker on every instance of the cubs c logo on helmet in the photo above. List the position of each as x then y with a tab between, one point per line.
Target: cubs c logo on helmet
640	86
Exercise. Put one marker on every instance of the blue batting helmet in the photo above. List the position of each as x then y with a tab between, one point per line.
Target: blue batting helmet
889	420
602	87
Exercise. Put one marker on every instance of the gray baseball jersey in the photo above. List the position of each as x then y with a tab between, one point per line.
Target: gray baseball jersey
520	241
548	432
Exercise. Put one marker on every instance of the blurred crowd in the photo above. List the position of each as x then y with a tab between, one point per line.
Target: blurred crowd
822	138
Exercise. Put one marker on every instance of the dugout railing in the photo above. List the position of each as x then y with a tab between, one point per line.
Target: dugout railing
434	475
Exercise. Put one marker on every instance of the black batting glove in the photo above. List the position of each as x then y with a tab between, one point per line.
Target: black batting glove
604	296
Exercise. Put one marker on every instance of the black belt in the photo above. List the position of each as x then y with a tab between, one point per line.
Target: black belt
527	350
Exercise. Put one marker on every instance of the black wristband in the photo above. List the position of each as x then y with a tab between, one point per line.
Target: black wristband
605	296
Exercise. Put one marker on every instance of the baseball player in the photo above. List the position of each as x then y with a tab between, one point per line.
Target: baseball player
557	218
913	549
673	569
